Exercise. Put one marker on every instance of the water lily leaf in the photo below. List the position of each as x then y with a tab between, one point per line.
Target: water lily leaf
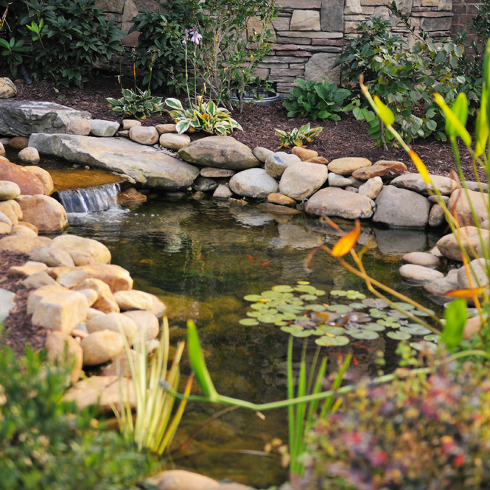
288	316
421	313
267	318
292	328
364	334
252	298
421	346
280	323
388	323
375	313
316	308
340	308
399	335
296	302
337	292
282	289
277	295
335	330
351	294
397	314
259	306
249	322
308	297
304	333
290	309
358	306
376	327
415	329
254	314
375	303
432	337
337	341
404	306
319	292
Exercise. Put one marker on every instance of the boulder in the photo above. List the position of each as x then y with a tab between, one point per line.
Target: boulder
210	172
143	164
44	212
103	128
22	118
74	243
5	228
478	273
386	169
221	152
8	190
222	192
336	180
23	244
7	88
12	210
415	182
470	238
347	165
64	350
204	185
45	177
2	150
276	209
174	141
52	256
401	208
117	322
80	127
278	162
146	321
28	183
333	201
281	199
459	203
440	287
116	277
144	135
139	300
161	128
18	143
418	274
105	301
254	182
130	197
300	180
182	480
262	153
102	390
303	153
436	216
29	155
26	270
101	346
38	280
421	258
20	230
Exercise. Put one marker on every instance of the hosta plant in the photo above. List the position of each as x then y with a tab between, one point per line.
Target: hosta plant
298	137
140	104
202	116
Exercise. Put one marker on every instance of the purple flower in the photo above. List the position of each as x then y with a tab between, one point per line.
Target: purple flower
195	36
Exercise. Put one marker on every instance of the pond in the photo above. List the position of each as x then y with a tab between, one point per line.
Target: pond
202	258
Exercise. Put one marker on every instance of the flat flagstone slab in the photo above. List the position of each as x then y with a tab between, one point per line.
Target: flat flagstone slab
142	164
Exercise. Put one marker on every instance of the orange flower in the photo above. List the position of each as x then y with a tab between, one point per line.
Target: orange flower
465	293
347	242
421	168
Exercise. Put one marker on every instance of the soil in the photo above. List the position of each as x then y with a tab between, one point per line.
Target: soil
347	137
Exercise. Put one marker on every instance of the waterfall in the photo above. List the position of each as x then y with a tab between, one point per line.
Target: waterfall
91	199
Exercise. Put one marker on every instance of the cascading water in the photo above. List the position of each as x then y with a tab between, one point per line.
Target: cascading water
91	199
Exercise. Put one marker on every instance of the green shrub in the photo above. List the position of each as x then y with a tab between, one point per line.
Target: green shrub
140	104
76	36
416	433
47	444
298	137
405	78
318	101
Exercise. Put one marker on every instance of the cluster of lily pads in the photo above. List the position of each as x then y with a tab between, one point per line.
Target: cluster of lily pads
299	311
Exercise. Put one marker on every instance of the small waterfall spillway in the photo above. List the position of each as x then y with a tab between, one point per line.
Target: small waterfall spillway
90	199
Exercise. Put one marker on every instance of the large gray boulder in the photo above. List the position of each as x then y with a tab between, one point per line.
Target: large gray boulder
333	201
401	208
254	182
22	118
301	179
221	152
140	163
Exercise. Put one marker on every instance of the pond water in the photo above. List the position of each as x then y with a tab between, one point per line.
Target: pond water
202	258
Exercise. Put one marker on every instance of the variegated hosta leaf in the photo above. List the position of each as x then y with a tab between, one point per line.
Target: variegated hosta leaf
174	103
182	126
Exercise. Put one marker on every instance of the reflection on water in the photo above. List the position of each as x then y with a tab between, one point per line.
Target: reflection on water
202	259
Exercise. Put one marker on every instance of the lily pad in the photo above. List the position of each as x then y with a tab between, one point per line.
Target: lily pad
404	306
415	329
421	346
433	337
421	313
375	303
362	334
296	302
358	306
399	335
334	330
375	313
305	289
340	308
252	298
316	308
338	292
292	328
259	306
290	309
375	327
351	294
332	341
249	322
254	314
267	318
388	323
283	289
308	297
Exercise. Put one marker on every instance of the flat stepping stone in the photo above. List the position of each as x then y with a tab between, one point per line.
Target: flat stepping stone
142	164
421	258
415	182
383	168
440	287
345	166
416	274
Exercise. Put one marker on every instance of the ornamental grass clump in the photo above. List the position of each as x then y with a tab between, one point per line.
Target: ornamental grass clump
418	433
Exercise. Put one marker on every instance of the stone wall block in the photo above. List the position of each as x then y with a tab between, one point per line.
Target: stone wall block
305	20
332	15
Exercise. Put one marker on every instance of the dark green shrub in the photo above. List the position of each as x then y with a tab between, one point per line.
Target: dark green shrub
318	101
47	444
76	36
417	433
405	79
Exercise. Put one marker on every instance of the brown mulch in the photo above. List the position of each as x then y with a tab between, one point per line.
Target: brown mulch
347	137
18	329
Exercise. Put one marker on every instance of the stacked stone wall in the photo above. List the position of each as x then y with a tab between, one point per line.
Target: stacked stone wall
310	34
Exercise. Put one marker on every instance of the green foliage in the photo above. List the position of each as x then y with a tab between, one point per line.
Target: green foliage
140	104
202	116
69	36
406	79
48	444
13	52
160	47
318	101
422	432
298	137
